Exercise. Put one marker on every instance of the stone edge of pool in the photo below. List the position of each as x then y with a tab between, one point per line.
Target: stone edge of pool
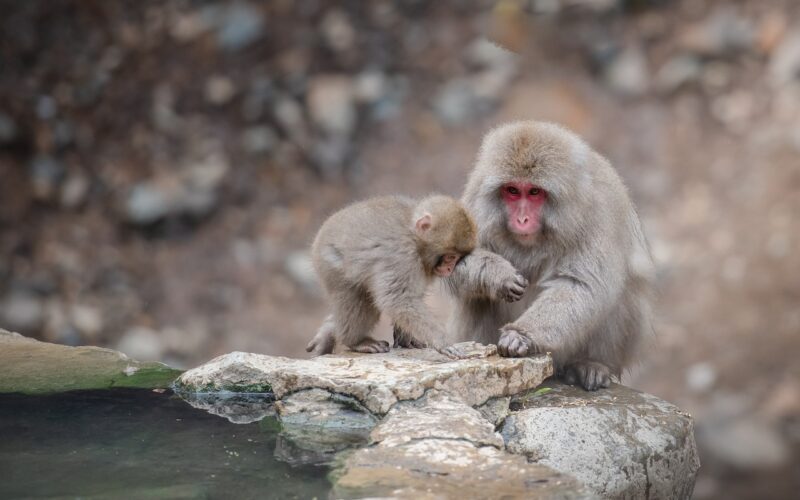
426	425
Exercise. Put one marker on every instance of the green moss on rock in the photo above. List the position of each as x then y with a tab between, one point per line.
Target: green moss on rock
28	366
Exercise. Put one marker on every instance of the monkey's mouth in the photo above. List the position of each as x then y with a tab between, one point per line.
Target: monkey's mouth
443	271
530	229
525	238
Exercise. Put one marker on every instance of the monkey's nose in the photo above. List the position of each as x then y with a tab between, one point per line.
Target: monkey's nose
523	220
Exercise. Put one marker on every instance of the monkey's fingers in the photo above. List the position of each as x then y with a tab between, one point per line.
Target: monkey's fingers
513	344
402	339
371	346
504	345
515	289
453	352
417	344
518	347
318	349
514	293
397	336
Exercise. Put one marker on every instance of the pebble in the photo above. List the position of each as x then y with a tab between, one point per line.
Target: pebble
457	102
722	33
331	104
87	320
143	344
370	86
627	74
22	312
238	24
701	377
258	140
74	190
46	174
678	72
146	204
207	174
289	114
338	30
219	90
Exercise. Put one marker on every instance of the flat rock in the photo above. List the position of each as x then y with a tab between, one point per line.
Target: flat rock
436	416
620	442
31	367
440	447
377	381
448	468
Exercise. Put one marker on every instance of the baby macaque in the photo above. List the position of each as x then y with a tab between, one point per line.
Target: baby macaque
379	256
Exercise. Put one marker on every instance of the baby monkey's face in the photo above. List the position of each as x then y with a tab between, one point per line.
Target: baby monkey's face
446	264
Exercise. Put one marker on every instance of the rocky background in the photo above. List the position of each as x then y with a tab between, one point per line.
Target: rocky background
164	165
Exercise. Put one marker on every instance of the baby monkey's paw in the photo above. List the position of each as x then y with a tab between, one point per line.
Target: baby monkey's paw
322	343
404	339
371	346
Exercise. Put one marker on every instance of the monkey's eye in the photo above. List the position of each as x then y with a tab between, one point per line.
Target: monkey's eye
535	191
512	190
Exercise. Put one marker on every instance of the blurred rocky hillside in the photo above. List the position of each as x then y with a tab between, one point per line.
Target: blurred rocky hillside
164	165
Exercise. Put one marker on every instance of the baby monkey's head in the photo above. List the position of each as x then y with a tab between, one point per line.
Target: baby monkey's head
445	233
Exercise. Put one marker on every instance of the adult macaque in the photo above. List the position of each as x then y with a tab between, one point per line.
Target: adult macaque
550	207
380	255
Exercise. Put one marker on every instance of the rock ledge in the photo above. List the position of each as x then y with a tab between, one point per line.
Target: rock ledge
377	381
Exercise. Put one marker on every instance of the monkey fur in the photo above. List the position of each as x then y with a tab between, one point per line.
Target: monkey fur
551	209
379	256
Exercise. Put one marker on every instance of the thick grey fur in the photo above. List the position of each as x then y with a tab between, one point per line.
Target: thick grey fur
589	267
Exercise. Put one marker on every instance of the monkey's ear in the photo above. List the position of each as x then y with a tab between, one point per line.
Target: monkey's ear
423	223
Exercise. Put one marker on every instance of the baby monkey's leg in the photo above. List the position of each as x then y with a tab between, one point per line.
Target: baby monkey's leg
324	341
405	339
355	316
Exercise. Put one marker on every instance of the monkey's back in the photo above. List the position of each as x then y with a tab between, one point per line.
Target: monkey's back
358	240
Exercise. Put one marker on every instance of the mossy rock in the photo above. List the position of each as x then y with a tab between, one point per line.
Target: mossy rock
28	366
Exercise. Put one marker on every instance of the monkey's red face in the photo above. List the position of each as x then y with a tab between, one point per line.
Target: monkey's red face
524	202
446	265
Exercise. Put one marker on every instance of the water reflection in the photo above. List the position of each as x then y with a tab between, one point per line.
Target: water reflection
135	444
